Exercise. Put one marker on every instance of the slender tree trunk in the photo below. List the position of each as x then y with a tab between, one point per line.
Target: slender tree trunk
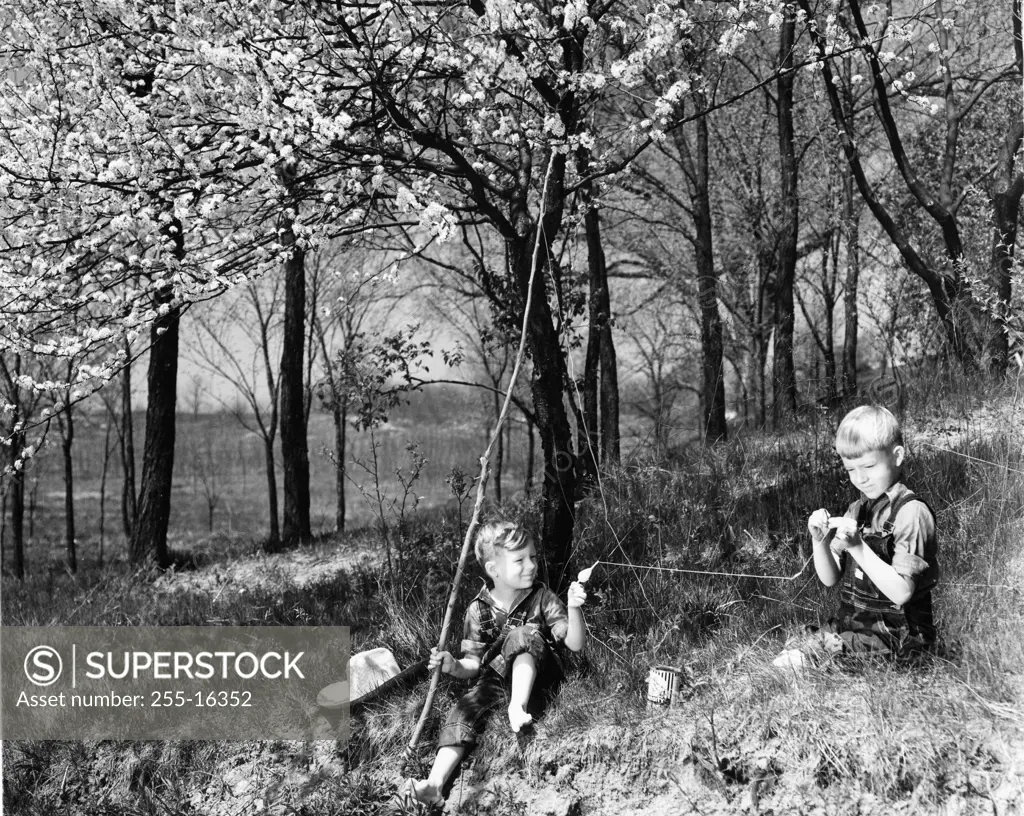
601	313
340	414
103	491
531	452
269	431
3	531
17	491
713	424
294	445
611	439
33	495
851	222
829	352
1006	198
760	374
588	435
601	376
784	396
550	375
154	505
272	508
17	479
129	499
850	310
67	441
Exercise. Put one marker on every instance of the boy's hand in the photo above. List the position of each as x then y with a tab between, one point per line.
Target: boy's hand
817	524
846	533
577	595
442	659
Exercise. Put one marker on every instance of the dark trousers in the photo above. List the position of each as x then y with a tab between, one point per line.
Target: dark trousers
493	685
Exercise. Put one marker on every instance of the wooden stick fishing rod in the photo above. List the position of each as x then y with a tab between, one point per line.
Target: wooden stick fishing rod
481	485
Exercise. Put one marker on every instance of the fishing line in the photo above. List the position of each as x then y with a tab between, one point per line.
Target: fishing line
792	577
618	540
972	458
571	367
983	462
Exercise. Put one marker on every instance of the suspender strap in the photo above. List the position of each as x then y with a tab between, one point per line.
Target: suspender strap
515	618
901	502
864	512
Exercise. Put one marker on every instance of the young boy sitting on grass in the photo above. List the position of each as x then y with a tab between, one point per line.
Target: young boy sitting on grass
883	548
510	633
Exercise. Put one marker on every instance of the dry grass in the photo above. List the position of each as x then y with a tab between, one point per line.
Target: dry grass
847	737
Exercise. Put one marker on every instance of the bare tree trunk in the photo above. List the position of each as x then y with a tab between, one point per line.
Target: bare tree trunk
850	311
588	433
67	426
830	323
695	164
17	481
275	530
784	396
17	491
339	417
1005	218
154	507
103	491
33	495
713	424
531	452
340	413
611	439
3	531
129	499
609	368
851	222
550	375
1005	214
294	445
601	377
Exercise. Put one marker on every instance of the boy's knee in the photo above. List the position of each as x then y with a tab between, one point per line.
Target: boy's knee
524	640
457	735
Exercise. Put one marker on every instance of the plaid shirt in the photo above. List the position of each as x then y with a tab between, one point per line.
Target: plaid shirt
537	607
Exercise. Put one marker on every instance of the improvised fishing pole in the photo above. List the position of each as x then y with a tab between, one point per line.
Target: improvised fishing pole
481	485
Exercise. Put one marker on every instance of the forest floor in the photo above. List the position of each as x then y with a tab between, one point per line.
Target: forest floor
840	737
298	568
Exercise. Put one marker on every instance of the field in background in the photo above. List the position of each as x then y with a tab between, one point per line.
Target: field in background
215	457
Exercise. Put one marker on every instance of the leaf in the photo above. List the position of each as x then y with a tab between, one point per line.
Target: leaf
584	575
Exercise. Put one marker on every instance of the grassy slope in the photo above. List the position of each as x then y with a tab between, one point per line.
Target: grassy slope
947	737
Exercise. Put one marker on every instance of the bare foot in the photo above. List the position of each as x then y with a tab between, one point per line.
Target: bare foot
424	792
518	717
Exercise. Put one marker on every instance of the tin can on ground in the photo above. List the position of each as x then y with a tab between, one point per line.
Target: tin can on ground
663	686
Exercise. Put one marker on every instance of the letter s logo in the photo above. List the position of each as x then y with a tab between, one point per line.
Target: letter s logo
43	666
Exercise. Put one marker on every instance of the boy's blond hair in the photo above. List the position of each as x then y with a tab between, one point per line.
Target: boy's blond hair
865	429
503	534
